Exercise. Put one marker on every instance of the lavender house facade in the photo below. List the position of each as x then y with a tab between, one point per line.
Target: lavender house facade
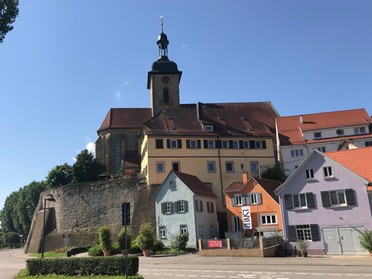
327	201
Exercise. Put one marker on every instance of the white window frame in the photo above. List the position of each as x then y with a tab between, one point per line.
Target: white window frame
245	144
238	199
235	144
198	205
231	168
359	130
162	232
254	199
317	135
236	223
337	198
309	174
181	206
211	166
225	144
258	144
211	144
301	201
303	232
168	208
158	164
297	152
268	219
173	144
210	207
183	229
208	128
328	172
193	144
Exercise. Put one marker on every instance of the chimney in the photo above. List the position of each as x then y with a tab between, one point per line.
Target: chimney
199	110
301	119
245	177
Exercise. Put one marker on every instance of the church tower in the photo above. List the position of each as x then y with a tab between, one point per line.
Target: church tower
164	78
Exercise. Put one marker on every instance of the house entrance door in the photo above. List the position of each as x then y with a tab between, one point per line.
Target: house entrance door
342	240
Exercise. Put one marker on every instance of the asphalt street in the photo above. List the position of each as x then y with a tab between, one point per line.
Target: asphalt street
11	262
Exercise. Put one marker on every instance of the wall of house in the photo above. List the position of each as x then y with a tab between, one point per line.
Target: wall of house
194	161
173	221
345	216
268	206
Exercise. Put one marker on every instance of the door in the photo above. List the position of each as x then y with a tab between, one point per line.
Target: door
342	240
331	242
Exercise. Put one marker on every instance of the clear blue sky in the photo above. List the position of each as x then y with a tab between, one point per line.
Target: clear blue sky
67	62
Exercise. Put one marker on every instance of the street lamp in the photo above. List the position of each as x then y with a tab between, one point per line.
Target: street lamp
50	199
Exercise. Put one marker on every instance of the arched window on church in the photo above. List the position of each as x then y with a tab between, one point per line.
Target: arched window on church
165	95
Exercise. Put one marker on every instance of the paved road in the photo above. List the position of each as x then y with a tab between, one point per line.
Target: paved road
194	266
11	262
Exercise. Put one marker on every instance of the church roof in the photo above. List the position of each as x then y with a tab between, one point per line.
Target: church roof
290	128
228	119
119	118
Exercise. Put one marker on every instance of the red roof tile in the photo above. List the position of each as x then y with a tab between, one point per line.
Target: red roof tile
194	184
290	128
119	118
358	160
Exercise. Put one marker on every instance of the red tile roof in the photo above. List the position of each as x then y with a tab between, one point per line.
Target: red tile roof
230	119
290	128
358	160
119	118
194	184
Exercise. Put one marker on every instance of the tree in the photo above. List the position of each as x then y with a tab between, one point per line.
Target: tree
8	14
274	173
60	175
86	168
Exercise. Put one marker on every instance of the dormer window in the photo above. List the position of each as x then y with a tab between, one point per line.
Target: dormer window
208	128
317	135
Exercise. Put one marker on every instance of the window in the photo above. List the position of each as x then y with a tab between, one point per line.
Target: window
173	185
309	174
211	166
245	144
183	229
160	167
268	219
321	149
258	144
176	166
303	232
199	205
327	172
299	201
208	128
236	223
162	232
193	144
212	230
254	198
166	95
359	130
229	166
181	206
342	197
210	207
368	143
235	144
254	167
225	144
173	144
159	143
209	144
167	208
297	153
201	230
237	200
317	135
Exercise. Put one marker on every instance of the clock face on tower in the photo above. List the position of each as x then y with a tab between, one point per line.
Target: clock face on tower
165	79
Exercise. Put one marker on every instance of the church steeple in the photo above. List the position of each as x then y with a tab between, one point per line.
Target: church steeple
164	78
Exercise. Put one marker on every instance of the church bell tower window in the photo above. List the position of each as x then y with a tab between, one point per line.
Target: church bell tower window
166	95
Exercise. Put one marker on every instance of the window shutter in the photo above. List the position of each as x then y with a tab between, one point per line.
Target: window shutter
248	199
168	143
350	197
199	145
230	144
233	200
315	235
163	208
259	198
187	143
292	236
179	143
288	201
218	144
205	143
310	200
186	206
241	146
326	199
177	207
264	144
252	144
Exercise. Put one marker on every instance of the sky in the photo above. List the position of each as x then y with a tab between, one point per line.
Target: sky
67	62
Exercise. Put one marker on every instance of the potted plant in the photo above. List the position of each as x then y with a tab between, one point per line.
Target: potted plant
125	240
104	238
302	247
366	241
146	239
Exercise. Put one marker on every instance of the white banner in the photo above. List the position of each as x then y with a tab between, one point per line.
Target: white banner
246	217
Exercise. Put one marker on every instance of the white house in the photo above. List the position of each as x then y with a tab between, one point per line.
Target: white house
185	205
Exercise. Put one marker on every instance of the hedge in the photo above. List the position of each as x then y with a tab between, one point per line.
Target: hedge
112	266
77	250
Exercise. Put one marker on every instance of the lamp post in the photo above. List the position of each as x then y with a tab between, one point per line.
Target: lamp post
49	198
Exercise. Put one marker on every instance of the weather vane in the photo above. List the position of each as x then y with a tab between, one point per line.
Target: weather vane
161	22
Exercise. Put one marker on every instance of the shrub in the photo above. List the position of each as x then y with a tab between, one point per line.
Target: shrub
113	266
104	237
134	249
145	239
124	239
366	240
179	242
158	245
95	251
77	250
